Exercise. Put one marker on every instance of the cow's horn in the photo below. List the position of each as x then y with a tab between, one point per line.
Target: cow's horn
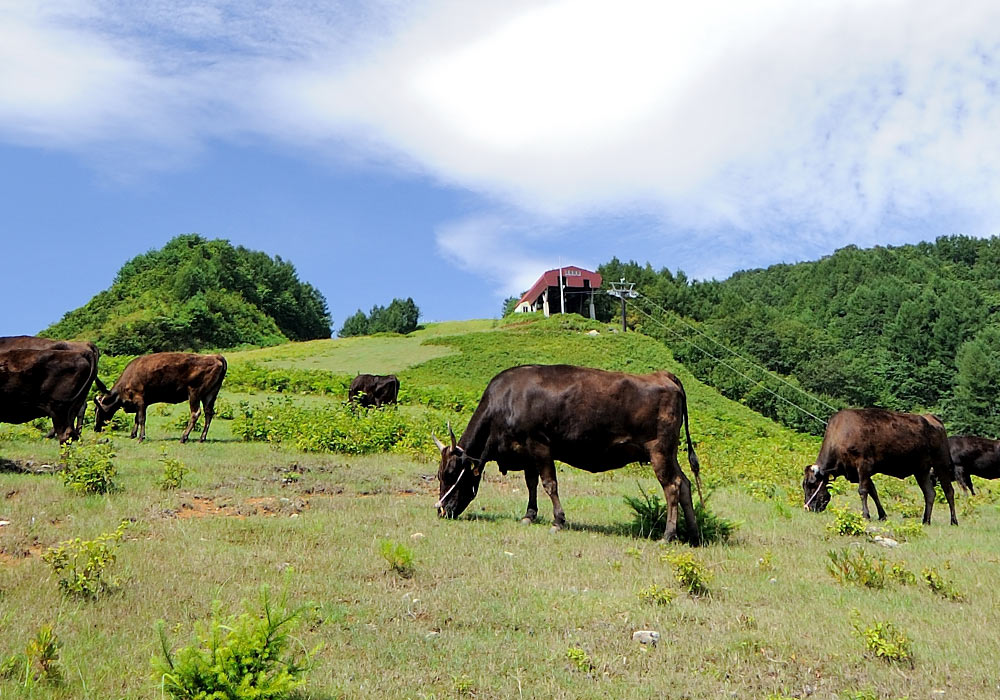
452	433
440	445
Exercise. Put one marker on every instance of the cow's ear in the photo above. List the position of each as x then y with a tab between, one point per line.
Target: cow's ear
477	466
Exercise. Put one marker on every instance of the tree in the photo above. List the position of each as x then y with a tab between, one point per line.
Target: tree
400	316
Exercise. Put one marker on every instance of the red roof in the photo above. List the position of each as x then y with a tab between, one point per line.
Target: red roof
572	277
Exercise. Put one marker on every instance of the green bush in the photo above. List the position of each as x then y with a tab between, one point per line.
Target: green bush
847	522
580	659
81	565
250	376
885	641
689	572
174	472
89	468
236	658
855	566
398	556
332	428
656	595
38	663
940	585
649	519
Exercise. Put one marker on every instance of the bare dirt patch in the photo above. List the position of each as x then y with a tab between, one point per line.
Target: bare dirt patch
266	506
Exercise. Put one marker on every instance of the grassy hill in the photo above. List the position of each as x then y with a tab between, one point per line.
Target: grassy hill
196	293
493	609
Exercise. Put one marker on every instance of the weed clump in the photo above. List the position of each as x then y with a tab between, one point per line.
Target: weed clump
941	585
580	659
81	565
398	556
649	520
656	595
236	658
174	472
884	641
38	663
89	469
689	572
859	568
847	522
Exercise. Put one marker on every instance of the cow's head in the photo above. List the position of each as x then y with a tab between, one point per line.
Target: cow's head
105	408
815	493
459	476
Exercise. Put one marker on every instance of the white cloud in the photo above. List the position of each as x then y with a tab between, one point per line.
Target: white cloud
726	120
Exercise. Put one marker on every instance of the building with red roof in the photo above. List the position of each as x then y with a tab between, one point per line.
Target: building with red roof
578	287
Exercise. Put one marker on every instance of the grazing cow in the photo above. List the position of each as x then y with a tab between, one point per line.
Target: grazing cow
374	389
588	418
164	377
974	456
29	342
866	441
37	383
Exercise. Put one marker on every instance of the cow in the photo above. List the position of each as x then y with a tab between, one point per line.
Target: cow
974	456
37	383
164	377
373	390
866	441
30	342
591	419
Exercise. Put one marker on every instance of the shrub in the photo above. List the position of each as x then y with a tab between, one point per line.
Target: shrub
174	471
579	658
859	568
398	556
81	564
885	641
656	595
847	522
689	572
940	585
236	658
38	663
90	468
649	519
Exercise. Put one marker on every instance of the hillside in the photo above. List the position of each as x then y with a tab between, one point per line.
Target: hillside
490	608
913	327
196	293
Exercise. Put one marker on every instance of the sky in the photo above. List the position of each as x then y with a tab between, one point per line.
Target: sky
453	150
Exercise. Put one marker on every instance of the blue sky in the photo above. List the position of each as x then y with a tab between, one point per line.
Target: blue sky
451	151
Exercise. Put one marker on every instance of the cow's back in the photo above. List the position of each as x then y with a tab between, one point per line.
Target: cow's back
167	377
35	381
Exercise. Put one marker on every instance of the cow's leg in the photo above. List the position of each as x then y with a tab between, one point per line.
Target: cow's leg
531	481
140	421
874	494
949	494
676	489
548	475
927	486
194	404
135	426
209	404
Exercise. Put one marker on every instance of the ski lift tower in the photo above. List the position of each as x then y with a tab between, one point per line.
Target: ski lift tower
623	290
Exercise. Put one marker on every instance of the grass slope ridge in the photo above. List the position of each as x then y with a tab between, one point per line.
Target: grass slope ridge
196	293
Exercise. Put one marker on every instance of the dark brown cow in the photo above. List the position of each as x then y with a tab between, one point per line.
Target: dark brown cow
30	342
164	377
974	456
374	389
37	383
589	418
866	441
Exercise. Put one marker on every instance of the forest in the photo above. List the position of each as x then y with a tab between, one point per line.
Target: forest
912	328
196	293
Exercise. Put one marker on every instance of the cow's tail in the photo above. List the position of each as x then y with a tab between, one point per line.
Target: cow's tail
692	457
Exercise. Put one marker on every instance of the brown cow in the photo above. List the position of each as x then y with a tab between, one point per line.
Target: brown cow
589	418
373	390
164	377
37	383
866	441
974	456
30	342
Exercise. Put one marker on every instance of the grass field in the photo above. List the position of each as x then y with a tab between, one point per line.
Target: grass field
493	609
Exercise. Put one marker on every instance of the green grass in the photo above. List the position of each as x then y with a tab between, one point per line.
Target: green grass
492	606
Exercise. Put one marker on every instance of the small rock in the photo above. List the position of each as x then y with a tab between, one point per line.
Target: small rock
885	541
294	515
772	580
646	637
4	522
417	536
593	333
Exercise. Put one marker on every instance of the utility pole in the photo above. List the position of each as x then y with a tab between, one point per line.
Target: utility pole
623	290
562	297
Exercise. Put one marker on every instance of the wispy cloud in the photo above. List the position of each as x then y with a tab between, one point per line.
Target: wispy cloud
776	125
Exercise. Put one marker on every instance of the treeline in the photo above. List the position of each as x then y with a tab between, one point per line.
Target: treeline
912	328
400	316
196	293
